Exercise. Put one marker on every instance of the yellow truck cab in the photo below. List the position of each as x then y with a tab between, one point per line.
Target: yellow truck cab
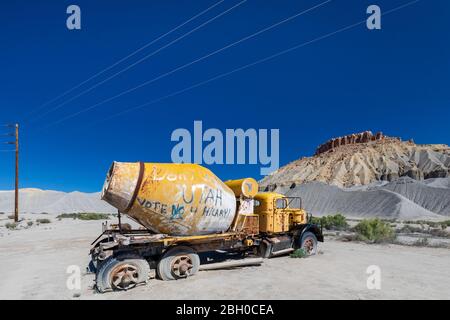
284	224
278	213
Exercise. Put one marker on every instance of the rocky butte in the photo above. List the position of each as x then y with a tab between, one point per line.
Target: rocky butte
363	158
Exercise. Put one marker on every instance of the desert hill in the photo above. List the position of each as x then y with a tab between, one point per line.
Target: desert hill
367	175
360	159
54	202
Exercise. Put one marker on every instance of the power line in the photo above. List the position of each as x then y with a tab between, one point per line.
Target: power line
192	62
139	61
125	58
245	66
252	64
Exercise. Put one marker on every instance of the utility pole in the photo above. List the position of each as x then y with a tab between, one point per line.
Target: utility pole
16	143
16	195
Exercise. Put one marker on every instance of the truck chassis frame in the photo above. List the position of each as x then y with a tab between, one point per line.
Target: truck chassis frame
118	243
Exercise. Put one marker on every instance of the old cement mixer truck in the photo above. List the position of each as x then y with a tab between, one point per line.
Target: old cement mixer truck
186	211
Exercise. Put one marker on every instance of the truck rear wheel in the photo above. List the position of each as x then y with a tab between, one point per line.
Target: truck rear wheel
308	243
122	273
178	263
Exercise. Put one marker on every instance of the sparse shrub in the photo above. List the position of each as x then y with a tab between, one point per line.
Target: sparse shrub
84	216
11	225
422	242
348	237
67	216
315	220
93	216
439	233
11	216
29	223
43	221
332	222
445	224
432	224
436	232
298	253
410	229
374	231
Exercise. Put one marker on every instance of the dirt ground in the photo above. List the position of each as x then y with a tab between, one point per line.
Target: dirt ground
34	264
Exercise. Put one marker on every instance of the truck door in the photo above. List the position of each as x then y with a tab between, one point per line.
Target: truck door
279	216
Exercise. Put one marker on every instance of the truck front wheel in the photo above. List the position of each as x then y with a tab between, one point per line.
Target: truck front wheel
122	273
177	263
308	242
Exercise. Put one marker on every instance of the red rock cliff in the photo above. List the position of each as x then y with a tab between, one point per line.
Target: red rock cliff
362	137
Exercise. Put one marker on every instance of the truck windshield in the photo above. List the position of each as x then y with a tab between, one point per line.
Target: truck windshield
281	203
294	203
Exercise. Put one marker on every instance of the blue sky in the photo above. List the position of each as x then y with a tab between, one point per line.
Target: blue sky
394	80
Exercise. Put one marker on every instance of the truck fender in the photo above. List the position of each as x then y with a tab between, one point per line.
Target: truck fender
315	229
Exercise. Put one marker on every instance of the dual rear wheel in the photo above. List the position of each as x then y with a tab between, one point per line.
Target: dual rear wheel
178	263
126	271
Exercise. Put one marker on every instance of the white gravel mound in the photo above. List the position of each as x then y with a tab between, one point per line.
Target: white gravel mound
54	202
433	199
322	199
438	182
